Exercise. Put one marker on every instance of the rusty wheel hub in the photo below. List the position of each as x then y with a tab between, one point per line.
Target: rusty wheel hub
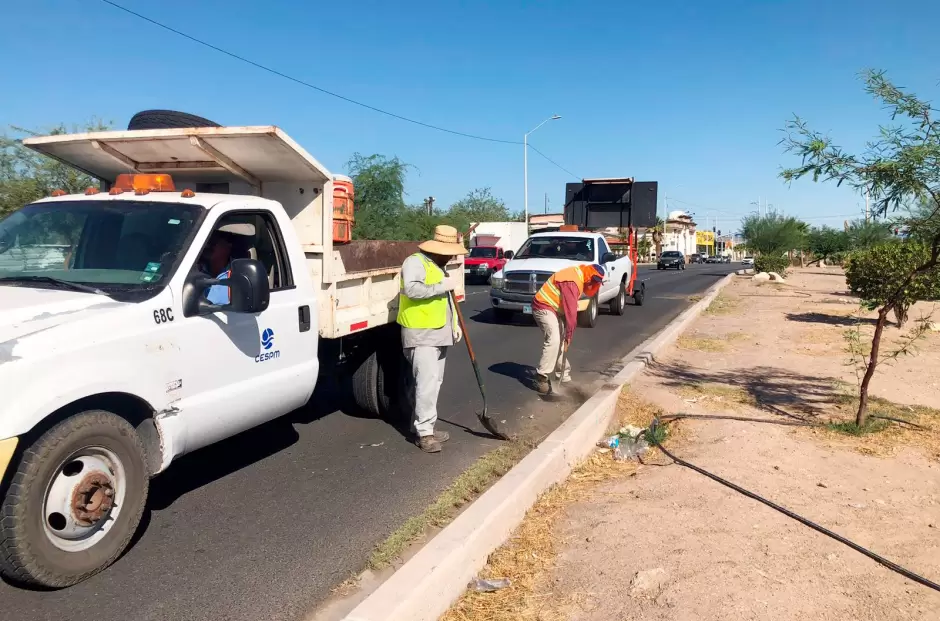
92	499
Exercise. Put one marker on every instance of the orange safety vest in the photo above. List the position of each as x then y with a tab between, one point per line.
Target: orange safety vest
550	294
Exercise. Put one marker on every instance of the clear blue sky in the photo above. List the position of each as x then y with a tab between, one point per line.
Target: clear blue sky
690	94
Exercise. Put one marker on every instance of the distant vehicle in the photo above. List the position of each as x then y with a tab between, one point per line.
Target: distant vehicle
484	261
713	259
696	258
671	259
748	261
726	258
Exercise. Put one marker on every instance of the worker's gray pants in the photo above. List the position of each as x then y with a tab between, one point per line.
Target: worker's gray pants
553	333
427	366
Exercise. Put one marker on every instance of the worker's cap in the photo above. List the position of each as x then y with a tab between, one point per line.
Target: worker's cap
599	272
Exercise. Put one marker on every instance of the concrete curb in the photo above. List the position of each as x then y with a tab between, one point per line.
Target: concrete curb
427	585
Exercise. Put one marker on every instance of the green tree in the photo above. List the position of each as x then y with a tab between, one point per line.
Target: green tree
771	237
480	205
862	234
380	196
26	176
825	241
898	168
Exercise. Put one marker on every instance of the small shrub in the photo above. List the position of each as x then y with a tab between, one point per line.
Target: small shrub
772	263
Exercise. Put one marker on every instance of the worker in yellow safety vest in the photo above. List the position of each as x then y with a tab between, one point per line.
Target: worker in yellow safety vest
555	309
428	327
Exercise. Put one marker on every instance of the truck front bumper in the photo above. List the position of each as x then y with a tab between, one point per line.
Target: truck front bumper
518	301
7	447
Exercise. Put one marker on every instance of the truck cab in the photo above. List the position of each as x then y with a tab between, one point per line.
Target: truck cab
484	261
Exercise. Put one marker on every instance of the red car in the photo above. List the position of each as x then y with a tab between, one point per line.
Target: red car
483	262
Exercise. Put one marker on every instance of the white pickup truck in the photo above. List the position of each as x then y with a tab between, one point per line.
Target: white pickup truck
543	254
113	361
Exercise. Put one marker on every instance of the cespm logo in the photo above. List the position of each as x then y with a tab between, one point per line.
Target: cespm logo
267	342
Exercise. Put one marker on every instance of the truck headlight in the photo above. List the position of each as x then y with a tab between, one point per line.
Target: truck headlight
496	280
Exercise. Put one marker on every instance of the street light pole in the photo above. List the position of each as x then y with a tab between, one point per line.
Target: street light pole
525	164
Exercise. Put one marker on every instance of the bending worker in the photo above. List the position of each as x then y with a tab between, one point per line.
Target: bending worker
428	327
555	309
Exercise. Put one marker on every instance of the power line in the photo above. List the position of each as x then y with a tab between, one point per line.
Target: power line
554	162
308	84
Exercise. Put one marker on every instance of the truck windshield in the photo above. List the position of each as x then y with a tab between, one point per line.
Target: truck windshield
108	246
575	248
483	253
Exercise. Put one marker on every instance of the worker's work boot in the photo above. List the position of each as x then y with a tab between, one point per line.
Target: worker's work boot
429	444
441	436
542	385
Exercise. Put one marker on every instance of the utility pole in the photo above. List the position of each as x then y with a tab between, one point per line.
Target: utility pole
429	204
546	203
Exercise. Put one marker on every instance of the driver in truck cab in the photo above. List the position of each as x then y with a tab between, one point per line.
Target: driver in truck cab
217	258
555	310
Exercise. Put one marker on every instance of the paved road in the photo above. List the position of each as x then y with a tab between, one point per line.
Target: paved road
263	525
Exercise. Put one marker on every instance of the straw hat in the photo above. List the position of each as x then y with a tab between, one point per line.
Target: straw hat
445	242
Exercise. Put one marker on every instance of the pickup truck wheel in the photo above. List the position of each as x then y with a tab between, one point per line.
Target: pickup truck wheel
588	317
74	501
619	304
639	295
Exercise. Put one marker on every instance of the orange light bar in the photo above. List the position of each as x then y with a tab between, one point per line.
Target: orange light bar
187	193
91	191
58	193
149	183
568	228
115	191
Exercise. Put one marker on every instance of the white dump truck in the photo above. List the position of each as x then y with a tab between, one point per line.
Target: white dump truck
115	356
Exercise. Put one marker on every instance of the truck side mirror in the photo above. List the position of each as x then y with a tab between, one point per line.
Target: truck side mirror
248	287
609	257
508	254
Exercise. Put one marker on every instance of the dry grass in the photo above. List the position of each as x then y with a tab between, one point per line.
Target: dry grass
883	437
530	552
723	304
465	488
702	344
716	395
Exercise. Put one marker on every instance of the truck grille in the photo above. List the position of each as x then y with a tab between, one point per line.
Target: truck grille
525	282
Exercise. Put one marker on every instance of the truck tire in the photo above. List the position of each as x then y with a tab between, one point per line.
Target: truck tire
377	382
639	295
166	119
588	317
74	501
619	304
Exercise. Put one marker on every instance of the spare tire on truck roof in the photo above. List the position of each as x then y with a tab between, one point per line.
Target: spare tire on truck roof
166	119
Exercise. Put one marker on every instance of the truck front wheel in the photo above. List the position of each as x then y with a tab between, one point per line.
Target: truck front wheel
588	317
74	501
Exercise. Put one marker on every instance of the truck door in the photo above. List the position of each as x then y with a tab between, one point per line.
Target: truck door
612	279
239	370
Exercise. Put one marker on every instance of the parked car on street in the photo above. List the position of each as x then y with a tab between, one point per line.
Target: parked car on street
696	258
747	261
671	259
713	259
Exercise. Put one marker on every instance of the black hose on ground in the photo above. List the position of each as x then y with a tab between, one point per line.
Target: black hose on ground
875	557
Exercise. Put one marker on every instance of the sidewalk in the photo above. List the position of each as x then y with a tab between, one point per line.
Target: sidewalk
657	541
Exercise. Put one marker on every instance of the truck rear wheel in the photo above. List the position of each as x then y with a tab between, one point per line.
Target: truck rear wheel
74	501
588	317
378	381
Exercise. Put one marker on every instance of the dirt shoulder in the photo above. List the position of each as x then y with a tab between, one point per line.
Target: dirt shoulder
659	541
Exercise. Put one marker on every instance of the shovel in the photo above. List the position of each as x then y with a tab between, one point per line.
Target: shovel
555	391
485	420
